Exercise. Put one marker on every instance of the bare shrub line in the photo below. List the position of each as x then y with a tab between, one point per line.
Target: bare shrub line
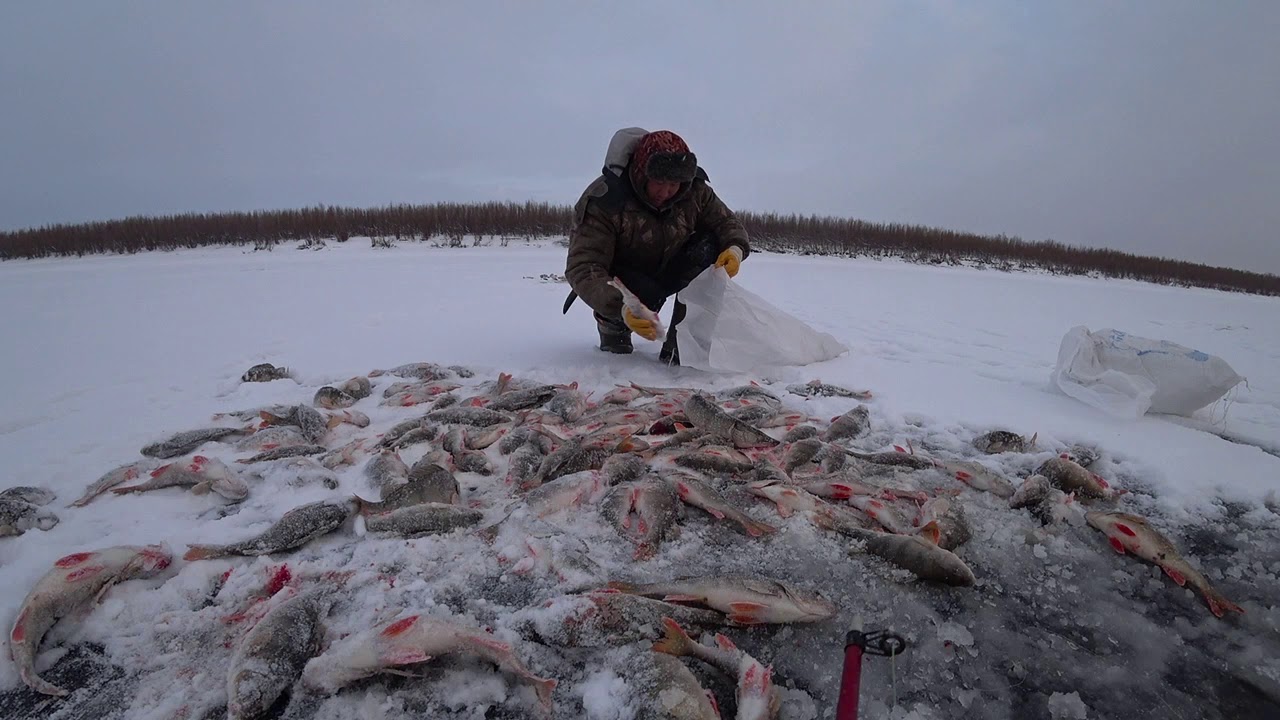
497	223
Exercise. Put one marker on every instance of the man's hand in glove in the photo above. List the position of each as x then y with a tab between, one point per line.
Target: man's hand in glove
643	328
730	259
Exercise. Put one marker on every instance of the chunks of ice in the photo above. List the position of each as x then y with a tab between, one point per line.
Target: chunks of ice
1067	706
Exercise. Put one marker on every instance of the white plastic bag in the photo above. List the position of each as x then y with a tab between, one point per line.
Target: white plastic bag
730	329
1129	376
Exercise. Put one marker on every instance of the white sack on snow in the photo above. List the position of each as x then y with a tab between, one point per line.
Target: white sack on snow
1129	376
730	329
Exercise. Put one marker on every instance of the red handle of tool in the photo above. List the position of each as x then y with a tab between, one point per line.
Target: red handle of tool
850	684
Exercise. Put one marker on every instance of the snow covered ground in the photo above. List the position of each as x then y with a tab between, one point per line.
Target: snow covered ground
104	355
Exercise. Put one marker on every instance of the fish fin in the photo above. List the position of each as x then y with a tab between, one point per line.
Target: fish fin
715	705
675	641
200	552
97	597
724	643
745	613
677	598
784	510
841	491
543	687
404	656
1115	543
1219	604
930	532
756	528
1174	575
200	488
403	673
334	421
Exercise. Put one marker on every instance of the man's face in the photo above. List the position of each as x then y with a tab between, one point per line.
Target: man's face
660	192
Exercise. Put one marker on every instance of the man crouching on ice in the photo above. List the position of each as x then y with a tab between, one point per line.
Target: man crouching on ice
652	221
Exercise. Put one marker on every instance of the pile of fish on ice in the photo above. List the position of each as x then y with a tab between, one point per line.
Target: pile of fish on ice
514	523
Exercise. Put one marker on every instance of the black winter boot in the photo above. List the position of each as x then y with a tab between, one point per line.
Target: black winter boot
615	337
670	353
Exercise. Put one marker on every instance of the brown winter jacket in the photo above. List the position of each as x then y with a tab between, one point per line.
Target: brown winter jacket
613	226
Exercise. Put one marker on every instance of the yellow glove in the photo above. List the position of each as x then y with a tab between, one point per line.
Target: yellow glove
643	328
730	259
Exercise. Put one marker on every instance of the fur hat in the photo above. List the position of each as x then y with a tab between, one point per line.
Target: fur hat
663	156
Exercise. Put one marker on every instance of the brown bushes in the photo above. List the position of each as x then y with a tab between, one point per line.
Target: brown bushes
449	223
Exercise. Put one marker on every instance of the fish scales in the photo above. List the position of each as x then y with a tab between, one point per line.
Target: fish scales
427	518
468	415
294	529
189	440
707	416
270	658
851	425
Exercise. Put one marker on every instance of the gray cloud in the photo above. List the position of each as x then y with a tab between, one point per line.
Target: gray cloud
1144	127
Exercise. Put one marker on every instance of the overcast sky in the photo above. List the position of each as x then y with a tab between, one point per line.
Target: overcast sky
1150	127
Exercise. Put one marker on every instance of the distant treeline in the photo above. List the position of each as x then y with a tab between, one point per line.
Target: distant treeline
452	224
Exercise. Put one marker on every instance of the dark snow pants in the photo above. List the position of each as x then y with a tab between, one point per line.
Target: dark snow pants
698	254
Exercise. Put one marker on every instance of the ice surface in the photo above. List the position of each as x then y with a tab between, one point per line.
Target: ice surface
113	352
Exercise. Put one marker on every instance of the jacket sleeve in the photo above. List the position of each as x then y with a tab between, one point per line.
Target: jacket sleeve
592	239
718	218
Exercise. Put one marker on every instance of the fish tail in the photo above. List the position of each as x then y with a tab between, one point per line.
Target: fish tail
39	684
544	687
755	528
1219	605
675	641
931	532
202	552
